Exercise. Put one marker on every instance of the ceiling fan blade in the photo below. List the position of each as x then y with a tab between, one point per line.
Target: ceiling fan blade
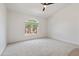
47	3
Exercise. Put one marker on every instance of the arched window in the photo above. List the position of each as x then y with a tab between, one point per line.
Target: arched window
31	26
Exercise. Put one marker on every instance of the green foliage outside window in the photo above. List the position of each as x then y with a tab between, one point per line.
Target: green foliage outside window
31	26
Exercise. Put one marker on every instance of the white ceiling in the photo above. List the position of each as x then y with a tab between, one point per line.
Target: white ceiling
35	9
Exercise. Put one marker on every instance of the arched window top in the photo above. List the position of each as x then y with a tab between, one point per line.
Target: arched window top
32	20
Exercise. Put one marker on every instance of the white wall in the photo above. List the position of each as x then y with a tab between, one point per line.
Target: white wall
64	25
16	27
3	28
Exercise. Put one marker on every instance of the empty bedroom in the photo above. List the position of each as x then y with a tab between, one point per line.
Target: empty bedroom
39	29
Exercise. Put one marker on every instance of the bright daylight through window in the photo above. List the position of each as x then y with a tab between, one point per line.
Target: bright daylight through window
31	27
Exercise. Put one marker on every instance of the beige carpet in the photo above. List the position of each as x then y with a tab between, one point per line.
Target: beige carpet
39	47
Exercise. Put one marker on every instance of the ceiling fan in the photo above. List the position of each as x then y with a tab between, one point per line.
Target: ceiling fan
45	5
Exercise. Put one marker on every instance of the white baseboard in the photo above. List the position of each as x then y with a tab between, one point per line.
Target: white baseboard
67	41
27	40
2	50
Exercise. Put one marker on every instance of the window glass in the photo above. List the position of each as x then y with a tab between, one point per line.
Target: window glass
31	26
